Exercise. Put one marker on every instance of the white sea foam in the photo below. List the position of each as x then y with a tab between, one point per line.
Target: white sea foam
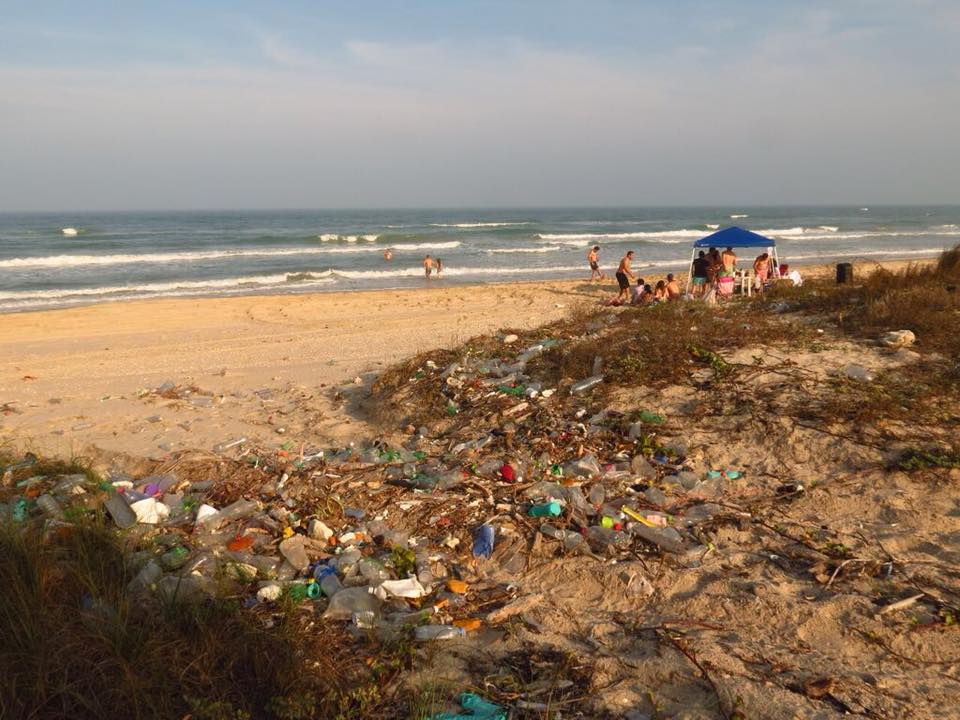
66	261
712	227
478	224
69	231
454	271
737	217
239	283
828	228
507	251
333	237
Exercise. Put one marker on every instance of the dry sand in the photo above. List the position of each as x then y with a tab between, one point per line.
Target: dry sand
783	630
79	378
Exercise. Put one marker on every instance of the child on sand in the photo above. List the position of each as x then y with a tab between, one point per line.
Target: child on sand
636	293
660	291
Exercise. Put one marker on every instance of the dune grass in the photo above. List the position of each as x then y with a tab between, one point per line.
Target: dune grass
76	643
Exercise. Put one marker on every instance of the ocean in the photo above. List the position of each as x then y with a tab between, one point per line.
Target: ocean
62	259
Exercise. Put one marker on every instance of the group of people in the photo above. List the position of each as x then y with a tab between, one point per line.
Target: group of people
641	293
709	268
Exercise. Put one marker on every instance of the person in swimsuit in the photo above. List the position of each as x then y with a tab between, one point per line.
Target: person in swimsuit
388	254
761	269
673	288
729	259
660	291
624	275
636	293
593	257
428	266
701	272
439	267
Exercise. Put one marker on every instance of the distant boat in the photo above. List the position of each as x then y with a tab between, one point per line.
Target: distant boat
69	231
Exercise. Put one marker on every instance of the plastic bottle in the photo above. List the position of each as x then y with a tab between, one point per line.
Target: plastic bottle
587	384
50	506
569	538
597	495
234	511
483	541
330	584
438	632
351	600
121	513
372	571
550	509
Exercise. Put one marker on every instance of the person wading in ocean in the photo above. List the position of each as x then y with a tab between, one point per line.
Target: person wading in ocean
593	257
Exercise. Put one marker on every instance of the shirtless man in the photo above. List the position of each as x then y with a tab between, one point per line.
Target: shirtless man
673	288
624	275
388	254
593	257
729	259
428	266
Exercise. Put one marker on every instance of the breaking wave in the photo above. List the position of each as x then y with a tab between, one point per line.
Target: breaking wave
333	237
507	251
478	224
67	261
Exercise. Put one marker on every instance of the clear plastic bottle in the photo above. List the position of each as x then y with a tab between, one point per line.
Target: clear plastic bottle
49	505
234	511
570	538
438	632
597	494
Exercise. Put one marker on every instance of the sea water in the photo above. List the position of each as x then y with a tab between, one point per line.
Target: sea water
60	259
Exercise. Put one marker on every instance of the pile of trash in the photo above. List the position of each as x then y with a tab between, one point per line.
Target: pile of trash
431	533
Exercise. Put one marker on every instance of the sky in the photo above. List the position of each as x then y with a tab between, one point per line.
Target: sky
381	103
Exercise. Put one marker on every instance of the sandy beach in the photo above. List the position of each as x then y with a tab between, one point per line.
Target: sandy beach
273	369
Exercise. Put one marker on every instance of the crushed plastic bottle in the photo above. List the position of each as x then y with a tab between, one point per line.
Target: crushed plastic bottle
351	600
597	495
438	632
587	384
121	513
569	538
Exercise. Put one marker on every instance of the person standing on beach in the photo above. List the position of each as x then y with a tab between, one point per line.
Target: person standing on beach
593	257
624	275
428	265
729	259
701	272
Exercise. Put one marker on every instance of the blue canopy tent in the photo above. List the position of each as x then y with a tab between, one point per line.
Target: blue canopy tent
733	237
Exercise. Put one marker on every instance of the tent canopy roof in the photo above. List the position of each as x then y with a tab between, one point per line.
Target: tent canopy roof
734	237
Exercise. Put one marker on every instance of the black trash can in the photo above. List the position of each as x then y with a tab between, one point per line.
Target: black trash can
844	273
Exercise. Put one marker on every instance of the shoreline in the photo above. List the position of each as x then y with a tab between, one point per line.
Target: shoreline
272	368
656	270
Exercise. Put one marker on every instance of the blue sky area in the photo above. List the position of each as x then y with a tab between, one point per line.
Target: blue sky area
387	104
